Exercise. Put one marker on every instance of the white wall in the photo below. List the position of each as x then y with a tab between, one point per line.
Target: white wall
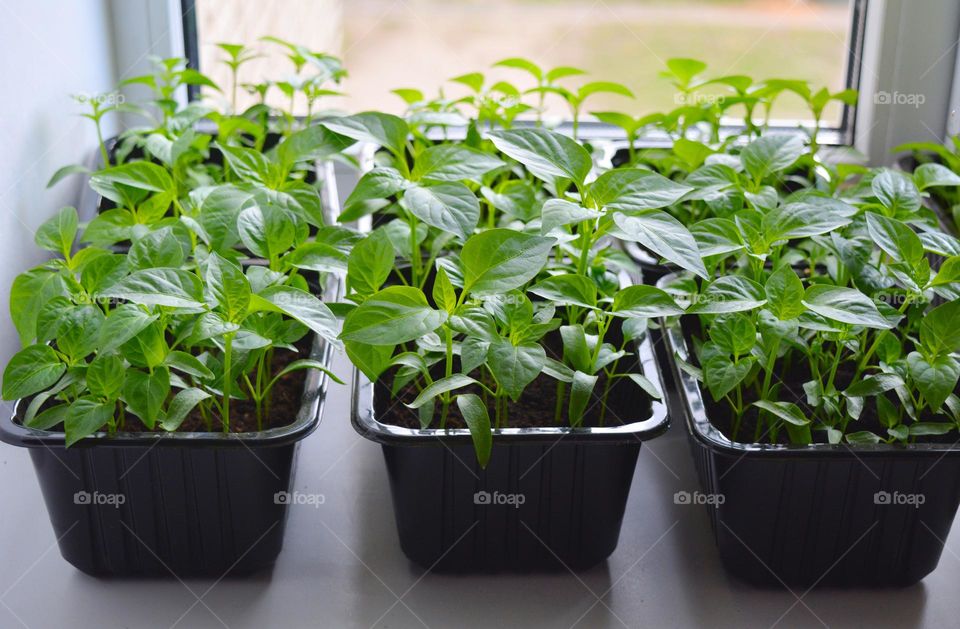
49	50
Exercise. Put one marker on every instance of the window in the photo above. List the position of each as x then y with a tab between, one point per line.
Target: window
387	44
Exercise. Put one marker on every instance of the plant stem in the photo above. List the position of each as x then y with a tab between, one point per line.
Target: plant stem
227	380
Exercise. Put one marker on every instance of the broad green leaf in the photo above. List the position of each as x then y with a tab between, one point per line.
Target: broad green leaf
664	235
162	287
142	175
453	162
931	175
394	315
266	231
444	295
874	385
717	236
371	360
31	370
48	418
375	127
122	324
949	272
568	289
734	333
85	417
306	309
438	387
499	260
515	366
940	329
370	263
249	165
720	373
559	212
785	293
845	305
57	234
145	393
522	64
451	207
307	363
313	143
649	387
66	171
896	239
633	189
771	154
644	302
924	429
478	421
546	154
189	364
379	183
105	376
862	437
159	248
935	378
896	191
228	287
30	291
801	219
180	406
787	411
731	293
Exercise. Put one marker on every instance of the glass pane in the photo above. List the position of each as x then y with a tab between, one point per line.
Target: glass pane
387	44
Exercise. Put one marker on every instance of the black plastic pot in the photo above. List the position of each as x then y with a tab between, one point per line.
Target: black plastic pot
187	504
820	514
549	498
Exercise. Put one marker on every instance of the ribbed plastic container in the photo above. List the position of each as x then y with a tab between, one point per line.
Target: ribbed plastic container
821	514
186	504
549	499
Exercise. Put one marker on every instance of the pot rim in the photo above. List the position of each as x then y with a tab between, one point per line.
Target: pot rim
694	410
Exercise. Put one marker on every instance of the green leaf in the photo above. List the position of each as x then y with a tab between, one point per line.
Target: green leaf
267	230
568	289
940	329
787	411
57	234
581	390
785	293
180	406
645	302
438	387
444	296
863	437
664	235
685	70
731	293
451	207
145	393
717	236
949	272
49	418
386	130
649	387
633	189
371	360
306	309
85	417
30	291
162	287
845	305
30	371
546	154
249	165
720	374
379	183
122	324
188	363
801	219
66	171
370	263
896	191
313	143
895	238
559	212
924	429
453	163
734	333
307	363
515	366
397	314
931	175
936	378
478	421
105	376
228	287
142	175
499	260
159	248
771	154
874	385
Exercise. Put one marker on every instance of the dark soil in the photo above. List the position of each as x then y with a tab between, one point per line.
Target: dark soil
626	403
